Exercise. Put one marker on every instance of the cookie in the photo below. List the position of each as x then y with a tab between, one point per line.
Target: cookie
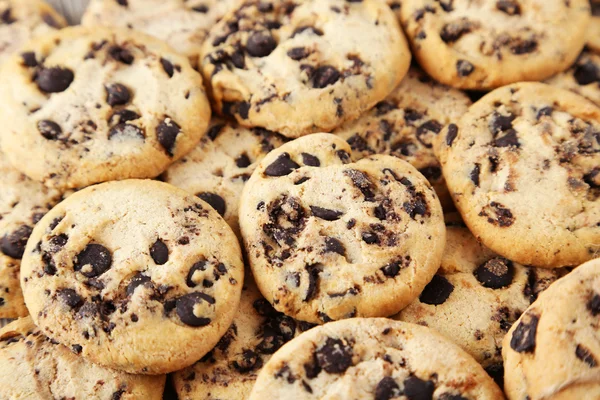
130	273
582	78
522	167
492	43
328	238
476	296
180	23
21	20
83	106
593	40
552	351
33	366
405	124
218	168
229	371
23	203
303	66
373	359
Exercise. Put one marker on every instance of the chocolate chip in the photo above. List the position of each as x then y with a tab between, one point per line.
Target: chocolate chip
501	123
95	256
261	44
201	9
138	279
6	17
510	139
117	95
282	166
593	305
122	116
264	308
437	291
384	107
362	182
309	29
453	31
496	273
249	361
243	161
326	214
392	269
523	337
120	54
585	355
310	160
123	3
451	135
70	298
313	281
544	112
29	59
464	68
500	216
49	129
333	245
449	396
124	130
509	7
496	371
166	133
185	308
298	53
386	389
335	356
475	174
215	201
324	76
159	252
49	264
214	131
417	206
417	389
13	244
586	73
54	80
524	47
429	126
370	238
58	242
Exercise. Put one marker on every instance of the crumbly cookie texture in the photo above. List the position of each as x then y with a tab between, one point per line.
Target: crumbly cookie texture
523	168
228	371
552	351
183	24
23	203
405	125
21	20
218	168
303	66
87	105
373	358
129	273
328	238
33	366
492	43
476	296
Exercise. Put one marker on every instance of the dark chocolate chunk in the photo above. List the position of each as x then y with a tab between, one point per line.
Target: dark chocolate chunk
586	73
362	182
392	269
496	273
333	245
261	44
335	356
313	281
451	135
70	298
386	389
117	95
125	130
523	337
475	174
496	371
29	59
418	389
326	214
324	76
310	160
138	279
309	29
509	7
167	67
122	116
120	54
282	166
242	161
54	80
49	129
215	201
249	360
166	133
185	308
510	139
593	305
13	244
93	260
437	291
544	112
298	53
464	68
585	355
453	31
524	46
159	252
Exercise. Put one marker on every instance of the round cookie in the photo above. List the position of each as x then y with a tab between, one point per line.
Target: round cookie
83	106
553	350
33	366
130	273
23	203
476	296
183	24
492	43
405	125
373	359
21	20
229	371
304	66
522	167
218	168
328	238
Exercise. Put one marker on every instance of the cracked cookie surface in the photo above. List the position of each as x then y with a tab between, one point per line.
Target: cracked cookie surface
130	272
523	168
328	238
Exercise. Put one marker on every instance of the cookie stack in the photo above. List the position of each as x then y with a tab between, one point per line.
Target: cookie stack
345	225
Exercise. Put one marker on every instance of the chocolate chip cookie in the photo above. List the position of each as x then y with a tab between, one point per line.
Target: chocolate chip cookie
303	66
491	43
476	296
83	106
218	168
523	168
130	273
593	40
229	371
553	350
376	359
33	366
405	125
23	203
21	20
183	24
328	238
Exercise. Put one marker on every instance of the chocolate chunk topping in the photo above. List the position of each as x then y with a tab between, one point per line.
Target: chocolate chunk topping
126	130
309	29
167	66
453	31
392	269
496	371
335	356
282	166
593	305
496	273
417	206
166	133
6	17
310	160
54	80
313	281
464	68
138	280
261	44
249	361
159	252
199	266
509	7
524	47
500	216
123	3
370	238
122	116
510	139
523	337
70	298
452	132
117	95
326	214
49	129
13	244
243	161
544	112
325	76
386	389
185	308
333	245
585	355
215	201
362	182
29	59
475	174
298	53
437	291
586	73
93	261
120	54
501	123
417	389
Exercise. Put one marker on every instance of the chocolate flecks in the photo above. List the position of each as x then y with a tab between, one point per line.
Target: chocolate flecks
166	133
496	273
326	214
215	201
497	215
585	355
464	68
282	166
335	356
93	260
387	388
418	389
437	291
159	252
13	244
523	337
451	135
186	304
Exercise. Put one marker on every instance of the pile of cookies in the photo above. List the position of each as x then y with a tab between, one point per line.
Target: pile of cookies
300	199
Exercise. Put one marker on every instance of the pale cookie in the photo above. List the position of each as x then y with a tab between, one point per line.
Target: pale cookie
491	43
303	66
130	273
23	203
35	367
476	296
21	20
328	238
218	168
83	106
405	125
553	350
183	24
373	359
593	40
229	371
523	167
